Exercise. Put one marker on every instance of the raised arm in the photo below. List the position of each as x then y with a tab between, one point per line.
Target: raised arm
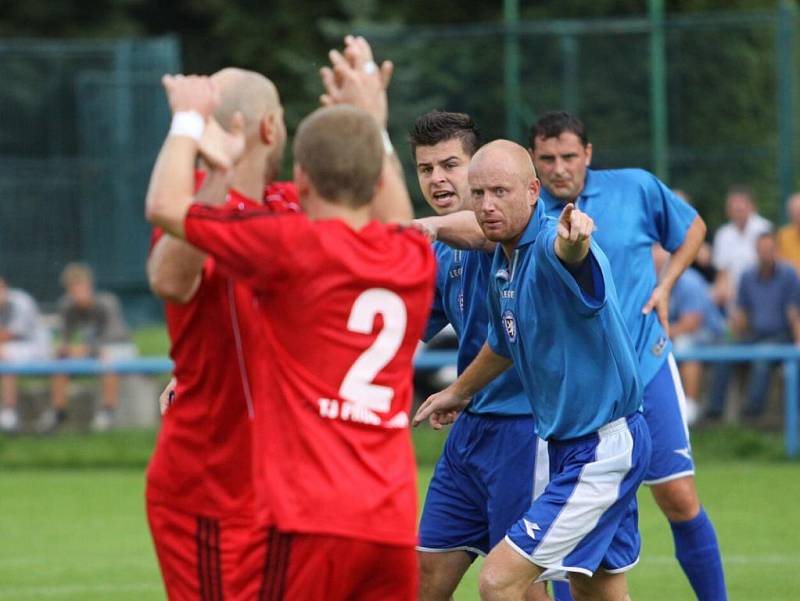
574	236
443	407
171	191
354	78
458	230
174	266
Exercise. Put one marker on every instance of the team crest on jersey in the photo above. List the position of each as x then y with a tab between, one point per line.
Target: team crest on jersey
511	326
659	346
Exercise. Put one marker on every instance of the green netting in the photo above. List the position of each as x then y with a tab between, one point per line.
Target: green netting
82	122
729	78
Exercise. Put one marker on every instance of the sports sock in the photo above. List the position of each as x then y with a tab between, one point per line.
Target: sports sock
561	591
697	551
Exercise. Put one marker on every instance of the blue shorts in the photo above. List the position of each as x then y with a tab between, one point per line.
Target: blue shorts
482	483
587	517
665	412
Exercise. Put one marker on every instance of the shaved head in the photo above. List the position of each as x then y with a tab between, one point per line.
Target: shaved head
247	92
507	156
504	190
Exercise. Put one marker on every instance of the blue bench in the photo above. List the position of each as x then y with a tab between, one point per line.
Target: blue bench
789	355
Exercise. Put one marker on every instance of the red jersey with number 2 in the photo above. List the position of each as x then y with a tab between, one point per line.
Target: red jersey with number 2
341	311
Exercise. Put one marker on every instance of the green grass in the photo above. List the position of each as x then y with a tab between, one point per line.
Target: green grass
80	534
152	341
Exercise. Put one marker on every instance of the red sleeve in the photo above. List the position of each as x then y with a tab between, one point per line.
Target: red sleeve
254	246
282	197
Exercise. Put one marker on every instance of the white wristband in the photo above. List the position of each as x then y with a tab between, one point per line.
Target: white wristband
387	143
188	123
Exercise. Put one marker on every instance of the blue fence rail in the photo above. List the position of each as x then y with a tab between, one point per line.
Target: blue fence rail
788	355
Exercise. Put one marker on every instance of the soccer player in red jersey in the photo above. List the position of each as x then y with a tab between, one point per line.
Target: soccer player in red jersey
342	300
200	496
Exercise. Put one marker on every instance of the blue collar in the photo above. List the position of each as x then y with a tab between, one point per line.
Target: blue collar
534	226
591	187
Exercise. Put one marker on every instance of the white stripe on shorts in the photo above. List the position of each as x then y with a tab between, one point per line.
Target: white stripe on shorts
541	473
596	491
676	380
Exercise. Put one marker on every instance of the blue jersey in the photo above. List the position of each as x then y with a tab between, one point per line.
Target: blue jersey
460	300
633	209
572	351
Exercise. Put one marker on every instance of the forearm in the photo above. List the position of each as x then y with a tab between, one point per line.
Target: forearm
685	254
793	315
572	253
459	230
483	370
171	190
796	331
738	322
688	323
392	203
174	266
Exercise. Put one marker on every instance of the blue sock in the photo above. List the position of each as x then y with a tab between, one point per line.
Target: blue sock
561	591
697	551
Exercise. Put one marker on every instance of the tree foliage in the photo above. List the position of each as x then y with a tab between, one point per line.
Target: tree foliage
722	84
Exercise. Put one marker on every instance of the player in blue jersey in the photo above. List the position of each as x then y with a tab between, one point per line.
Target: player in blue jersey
484	480
554	314
633	209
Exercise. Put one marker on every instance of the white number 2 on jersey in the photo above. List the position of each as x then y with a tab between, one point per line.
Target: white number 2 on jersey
357	386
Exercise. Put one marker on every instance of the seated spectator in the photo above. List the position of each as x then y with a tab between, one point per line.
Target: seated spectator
789	234
92	326
23	337
767	310
734	249
693	320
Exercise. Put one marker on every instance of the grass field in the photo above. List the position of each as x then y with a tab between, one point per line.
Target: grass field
80	534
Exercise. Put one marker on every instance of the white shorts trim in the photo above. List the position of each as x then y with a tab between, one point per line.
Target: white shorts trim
668	478
622	569
549	568
448	550
541	472
676	381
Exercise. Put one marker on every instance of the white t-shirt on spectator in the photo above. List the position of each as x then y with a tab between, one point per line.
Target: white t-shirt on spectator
734	250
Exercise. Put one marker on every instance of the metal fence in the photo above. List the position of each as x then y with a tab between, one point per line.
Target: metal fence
705	100
82	122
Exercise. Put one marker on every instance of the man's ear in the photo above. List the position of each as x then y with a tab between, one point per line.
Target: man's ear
266	129
533	191
301	181
588	154
379	185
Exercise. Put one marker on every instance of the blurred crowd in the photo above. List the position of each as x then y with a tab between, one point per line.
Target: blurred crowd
87	323
743	287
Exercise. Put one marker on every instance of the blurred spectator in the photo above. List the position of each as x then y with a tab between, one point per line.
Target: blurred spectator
768	311
92	326
693	320
789	234
23	336
735	243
